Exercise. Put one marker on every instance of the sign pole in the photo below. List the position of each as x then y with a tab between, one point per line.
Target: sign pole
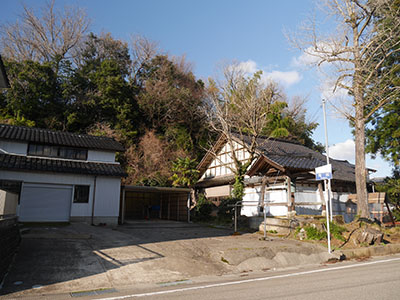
327	159
327	222
325	173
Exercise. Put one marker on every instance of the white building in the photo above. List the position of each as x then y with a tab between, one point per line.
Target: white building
59	176
285	170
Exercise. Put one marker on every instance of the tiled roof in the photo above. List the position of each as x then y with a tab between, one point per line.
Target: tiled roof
28	163
46	136
293	155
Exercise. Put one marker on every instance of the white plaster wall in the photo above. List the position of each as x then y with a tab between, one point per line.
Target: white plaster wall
252	199
107	196
107	190
13	147
102	156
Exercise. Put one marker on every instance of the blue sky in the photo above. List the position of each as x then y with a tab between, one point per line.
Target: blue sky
212	32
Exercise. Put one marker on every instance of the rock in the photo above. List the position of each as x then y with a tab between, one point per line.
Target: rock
369	236
302	234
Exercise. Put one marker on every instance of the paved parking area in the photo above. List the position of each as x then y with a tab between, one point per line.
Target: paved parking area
79	258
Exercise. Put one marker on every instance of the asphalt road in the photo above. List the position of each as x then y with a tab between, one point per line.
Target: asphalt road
371	279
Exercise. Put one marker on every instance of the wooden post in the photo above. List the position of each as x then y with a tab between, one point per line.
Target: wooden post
321	195
123	205
263	184
290	199
177	208
161	199
169	205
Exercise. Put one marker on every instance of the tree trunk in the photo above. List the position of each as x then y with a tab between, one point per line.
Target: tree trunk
360	172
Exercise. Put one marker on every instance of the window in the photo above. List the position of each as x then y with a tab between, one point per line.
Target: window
81	194
57	151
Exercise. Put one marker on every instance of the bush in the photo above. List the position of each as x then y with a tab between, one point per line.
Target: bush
336	231
203	208
314	234
225	208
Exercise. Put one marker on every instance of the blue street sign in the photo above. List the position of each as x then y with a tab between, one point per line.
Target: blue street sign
323	172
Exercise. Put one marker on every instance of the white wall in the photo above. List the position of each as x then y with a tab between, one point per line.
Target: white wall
107	190
252	199
102	156
107	196
13	147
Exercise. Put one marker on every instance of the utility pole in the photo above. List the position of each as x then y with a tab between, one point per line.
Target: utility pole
328	188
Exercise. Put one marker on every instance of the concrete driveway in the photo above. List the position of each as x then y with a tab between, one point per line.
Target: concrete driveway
80	259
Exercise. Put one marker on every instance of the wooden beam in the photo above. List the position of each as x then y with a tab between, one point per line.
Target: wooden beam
321	195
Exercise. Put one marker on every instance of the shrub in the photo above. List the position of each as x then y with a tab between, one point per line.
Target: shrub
314	234
203	207
225	208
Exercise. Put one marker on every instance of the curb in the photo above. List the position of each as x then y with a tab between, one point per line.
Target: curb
371	251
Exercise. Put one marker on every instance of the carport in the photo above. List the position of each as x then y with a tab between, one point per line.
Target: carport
144	202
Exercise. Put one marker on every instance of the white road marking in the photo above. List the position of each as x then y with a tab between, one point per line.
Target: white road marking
249	280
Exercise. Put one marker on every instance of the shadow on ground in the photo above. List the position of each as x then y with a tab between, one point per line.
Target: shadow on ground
81	255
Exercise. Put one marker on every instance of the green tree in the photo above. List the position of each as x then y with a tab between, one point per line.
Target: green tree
101	88
383	136
35	97
184	171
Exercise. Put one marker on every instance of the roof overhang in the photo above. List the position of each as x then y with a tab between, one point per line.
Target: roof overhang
155	189
263	164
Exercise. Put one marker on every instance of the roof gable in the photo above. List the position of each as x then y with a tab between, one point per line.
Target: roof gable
46	136
285	155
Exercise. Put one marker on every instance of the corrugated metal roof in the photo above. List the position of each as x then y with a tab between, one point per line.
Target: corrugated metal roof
46	136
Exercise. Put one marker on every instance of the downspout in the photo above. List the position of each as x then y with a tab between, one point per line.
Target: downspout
94	197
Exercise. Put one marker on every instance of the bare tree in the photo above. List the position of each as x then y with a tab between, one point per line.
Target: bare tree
238	109
143	51
354	55
49	36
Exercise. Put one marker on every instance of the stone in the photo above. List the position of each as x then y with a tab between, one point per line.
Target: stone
370	236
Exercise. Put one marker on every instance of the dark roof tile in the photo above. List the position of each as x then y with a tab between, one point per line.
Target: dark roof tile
19	162
60	138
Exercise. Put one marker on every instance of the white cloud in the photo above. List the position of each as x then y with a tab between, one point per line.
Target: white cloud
249	67
285	78
328	90
305	59
343	151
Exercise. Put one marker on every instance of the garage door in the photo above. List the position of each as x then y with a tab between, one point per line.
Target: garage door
45	203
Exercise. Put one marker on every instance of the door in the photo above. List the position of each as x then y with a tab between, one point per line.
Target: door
45	203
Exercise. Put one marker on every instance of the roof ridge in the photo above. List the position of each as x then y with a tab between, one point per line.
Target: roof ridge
52	131
57	137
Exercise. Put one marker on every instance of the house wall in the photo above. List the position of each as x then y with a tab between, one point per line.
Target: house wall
252	200
107	193
278	194
222	164
12	147
21	148
218	191
101	156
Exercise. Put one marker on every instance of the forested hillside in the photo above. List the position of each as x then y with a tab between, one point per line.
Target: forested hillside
64	77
